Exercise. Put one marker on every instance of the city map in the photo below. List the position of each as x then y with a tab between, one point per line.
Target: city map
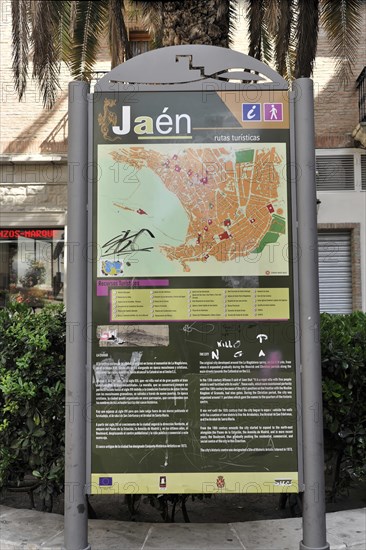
192	209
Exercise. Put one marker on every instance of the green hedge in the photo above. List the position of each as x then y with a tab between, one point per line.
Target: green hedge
32	371
32	404
343	348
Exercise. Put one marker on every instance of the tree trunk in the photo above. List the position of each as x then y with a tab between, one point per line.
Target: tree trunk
196	22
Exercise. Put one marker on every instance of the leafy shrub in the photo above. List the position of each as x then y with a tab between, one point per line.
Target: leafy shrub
343	348
32	372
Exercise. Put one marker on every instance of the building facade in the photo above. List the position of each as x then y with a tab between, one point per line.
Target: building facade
33	178
340	140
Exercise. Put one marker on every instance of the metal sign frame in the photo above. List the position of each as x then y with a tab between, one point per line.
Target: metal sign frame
193	68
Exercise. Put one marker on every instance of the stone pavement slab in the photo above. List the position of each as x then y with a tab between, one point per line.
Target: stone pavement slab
31	530
273	534
349	527
345	530
193	536
21	528
108	535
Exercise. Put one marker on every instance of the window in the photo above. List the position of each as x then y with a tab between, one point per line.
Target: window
140	42
31	265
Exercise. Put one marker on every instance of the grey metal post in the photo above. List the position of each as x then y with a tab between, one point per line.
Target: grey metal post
314	528
76	512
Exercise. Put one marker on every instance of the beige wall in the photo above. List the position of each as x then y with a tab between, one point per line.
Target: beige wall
336	106
26	127
33	145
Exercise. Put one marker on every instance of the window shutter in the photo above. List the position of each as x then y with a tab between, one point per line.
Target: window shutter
335	172
363	172
335	272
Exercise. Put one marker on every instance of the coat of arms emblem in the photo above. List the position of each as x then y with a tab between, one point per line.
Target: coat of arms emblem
220	482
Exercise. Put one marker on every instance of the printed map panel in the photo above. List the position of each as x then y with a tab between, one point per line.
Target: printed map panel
174	209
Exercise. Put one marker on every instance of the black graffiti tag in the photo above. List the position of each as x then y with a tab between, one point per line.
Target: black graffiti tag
125	243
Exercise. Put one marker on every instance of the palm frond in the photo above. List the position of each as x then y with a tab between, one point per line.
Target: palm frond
306	37
272	14
283	35
290	61
267	43
255	14
342	24
73	6
45	49
90	20
118	35
65	30
20	44
233	18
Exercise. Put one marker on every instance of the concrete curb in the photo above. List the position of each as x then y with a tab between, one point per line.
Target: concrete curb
31	530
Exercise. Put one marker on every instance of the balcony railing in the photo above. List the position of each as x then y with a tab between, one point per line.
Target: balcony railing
361	85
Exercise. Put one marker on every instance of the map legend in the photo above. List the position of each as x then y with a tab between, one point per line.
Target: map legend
201	304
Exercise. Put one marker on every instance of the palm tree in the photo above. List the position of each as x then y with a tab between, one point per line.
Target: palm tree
64	30
283	32
286	32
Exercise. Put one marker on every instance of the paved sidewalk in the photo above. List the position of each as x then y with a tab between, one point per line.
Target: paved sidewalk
31	530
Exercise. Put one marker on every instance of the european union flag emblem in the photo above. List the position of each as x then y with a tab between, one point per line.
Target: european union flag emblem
105	482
